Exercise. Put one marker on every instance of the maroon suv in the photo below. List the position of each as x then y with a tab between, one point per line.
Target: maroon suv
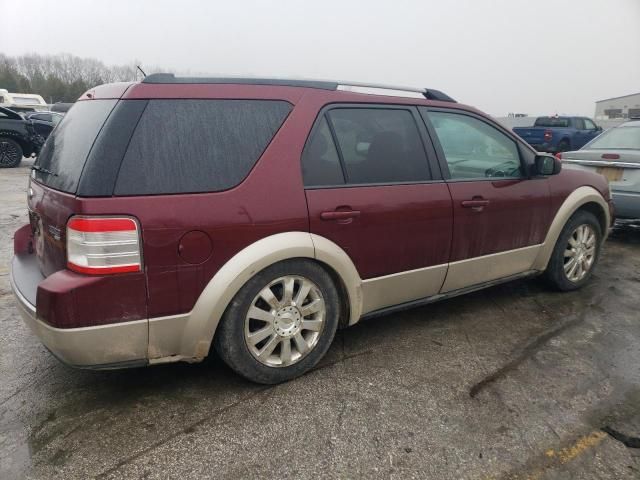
258	216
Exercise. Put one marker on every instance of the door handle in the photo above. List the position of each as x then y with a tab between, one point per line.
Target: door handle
477	203
340	215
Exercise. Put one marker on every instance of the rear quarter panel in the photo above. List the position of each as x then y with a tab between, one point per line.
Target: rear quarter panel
269	201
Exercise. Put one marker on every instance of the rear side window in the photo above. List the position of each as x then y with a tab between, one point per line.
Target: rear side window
65	152
373	146
182	146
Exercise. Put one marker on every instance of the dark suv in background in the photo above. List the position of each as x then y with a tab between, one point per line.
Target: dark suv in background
18	138
258	216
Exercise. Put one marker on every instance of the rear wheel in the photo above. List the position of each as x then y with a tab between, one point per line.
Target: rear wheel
10	153
576	252
281	323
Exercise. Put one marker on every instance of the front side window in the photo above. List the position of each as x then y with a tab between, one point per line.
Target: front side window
474	149
579	123
589	124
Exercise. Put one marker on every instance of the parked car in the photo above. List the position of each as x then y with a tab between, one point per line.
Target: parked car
616	155
18	138
43	122
559	134
175	215
22	102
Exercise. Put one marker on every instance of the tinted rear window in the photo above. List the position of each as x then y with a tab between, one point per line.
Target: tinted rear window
551	122
182	146
66	149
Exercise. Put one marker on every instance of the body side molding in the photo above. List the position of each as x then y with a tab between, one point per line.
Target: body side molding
398	288
478	270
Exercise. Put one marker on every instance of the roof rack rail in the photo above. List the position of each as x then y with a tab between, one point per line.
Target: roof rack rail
432	94
381	90
408	92
171	78
370	89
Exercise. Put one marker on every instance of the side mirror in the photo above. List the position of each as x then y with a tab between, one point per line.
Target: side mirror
547	165
598	128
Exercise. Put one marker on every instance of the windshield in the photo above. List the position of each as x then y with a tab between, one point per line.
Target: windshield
551	122
66	150
625	138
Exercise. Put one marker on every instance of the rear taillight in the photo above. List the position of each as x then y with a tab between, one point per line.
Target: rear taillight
558	155
610	156
548	135
101	245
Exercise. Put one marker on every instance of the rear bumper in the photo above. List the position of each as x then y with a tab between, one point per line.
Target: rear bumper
627	204
99	347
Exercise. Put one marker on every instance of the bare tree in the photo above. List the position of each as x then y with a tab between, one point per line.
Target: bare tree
62	77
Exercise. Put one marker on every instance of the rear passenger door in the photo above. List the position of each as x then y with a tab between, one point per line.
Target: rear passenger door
374	188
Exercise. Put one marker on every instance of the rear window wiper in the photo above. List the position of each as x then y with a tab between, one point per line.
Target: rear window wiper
38	168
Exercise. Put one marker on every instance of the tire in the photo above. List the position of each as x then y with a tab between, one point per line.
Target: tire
10	153
560	273
564	145
254	332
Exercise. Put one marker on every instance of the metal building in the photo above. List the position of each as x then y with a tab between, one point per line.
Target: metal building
618	107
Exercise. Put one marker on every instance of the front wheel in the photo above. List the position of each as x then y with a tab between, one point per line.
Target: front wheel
576	252
281	323
10	153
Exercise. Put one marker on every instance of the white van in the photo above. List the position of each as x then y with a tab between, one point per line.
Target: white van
22	102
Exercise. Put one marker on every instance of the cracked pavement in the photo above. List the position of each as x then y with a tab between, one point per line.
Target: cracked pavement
512	382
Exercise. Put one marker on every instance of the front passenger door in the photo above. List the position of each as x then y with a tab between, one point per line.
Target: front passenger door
501	216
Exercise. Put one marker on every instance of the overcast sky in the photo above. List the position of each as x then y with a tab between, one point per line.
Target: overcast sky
532	56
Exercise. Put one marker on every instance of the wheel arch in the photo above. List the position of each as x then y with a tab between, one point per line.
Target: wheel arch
583	198
189	337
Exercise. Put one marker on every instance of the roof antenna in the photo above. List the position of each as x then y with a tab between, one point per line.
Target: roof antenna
139	68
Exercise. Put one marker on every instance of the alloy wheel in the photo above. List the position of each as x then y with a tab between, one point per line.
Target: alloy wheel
285	321
580	253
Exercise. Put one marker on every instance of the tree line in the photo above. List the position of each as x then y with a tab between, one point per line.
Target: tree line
61	77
